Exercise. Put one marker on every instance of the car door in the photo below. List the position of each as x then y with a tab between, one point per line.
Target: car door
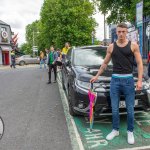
66	70
34	60
27	59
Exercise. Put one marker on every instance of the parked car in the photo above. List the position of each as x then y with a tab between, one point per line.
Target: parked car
80	65
27	59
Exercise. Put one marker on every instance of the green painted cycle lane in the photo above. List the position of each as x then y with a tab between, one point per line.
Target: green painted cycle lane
95	140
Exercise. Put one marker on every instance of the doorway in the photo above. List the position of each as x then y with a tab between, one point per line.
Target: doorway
5	57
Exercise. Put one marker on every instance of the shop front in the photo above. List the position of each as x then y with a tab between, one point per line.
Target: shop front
5	55
5	43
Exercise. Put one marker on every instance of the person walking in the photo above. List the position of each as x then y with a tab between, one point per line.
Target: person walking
13	61
52	58
122	53
42	59
148	62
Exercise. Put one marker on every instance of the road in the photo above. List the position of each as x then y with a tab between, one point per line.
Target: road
32	111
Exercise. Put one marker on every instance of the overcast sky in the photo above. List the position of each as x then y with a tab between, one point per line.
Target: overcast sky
19	13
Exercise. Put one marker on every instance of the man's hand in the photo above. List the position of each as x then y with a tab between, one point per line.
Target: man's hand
139	86
93	79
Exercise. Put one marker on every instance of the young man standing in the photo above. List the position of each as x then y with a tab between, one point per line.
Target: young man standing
122	53
52	58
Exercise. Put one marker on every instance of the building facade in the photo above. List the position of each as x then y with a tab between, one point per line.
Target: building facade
5	43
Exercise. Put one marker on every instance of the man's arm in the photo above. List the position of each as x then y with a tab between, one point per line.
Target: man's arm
55	57
105	63
139	62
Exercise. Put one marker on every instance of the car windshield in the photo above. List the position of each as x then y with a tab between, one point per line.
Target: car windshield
89	57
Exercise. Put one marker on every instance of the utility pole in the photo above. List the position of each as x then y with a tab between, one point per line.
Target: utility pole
104	29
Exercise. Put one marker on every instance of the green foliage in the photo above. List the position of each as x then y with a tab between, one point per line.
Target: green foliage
26	48
32	34
121	10
66	20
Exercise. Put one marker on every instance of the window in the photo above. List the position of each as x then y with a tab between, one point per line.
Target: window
27	56
89	57
3	29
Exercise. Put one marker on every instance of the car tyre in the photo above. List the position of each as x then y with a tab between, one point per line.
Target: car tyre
22	63
71	98
63	84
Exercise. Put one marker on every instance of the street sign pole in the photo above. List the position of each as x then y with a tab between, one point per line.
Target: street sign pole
139	23
148	35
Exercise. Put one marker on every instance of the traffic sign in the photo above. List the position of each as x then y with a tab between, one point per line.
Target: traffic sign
139	14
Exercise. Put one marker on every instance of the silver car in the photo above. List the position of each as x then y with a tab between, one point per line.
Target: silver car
27	59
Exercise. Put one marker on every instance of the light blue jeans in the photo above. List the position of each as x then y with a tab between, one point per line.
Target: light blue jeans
124	86
42	62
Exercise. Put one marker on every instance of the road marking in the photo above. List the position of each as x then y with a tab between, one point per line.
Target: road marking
101	121
73	132
1	127
95	138
136	148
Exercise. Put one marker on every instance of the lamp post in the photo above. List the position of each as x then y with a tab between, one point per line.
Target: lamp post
104	27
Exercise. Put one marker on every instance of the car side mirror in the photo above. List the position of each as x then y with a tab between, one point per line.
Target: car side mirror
67	62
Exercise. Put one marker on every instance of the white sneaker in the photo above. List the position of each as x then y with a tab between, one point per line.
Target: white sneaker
130	137
112	134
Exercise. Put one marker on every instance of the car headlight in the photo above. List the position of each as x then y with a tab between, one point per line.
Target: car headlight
82	84
145	85
86	85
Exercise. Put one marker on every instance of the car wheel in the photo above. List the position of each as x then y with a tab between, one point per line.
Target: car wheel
71	98
22	63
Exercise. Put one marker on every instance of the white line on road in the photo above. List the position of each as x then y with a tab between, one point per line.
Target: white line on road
137	148
73	132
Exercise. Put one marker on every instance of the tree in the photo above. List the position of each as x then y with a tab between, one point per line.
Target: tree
32	34
121	10
25	48
66	20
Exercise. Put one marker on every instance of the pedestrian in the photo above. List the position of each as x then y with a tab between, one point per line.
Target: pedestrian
59	59
52	58
13	61
122	53
65	50
148	62
47	53
42	59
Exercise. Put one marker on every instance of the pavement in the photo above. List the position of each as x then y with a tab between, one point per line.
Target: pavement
18	66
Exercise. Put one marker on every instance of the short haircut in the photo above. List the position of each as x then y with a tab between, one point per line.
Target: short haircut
122	25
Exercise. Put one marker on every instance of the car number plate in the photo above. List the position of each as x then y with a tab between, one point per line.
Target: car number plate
122	104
